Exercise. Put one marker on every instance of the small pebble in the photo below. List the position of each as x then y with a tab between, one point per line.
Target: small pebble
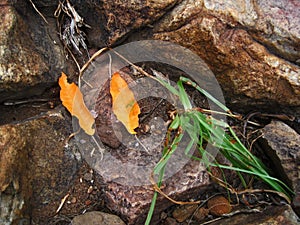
218	206
88	202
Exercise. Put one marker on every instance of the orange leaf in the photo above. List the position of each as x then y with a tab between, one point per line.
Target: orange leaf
124	104
72	99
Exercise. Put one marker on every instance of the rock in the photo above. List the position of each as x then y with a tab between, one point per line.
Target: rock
246	69
282	144
106	118
133	202
273	23
271	215
218	206
277	28
124	17
35	167
200	214
170	221
128	160
252	47
12	143
31	58
97	218
184	212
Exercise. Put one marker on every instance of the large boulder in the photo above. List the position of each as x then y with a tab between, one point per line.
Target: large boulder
36	169
251	46
31	57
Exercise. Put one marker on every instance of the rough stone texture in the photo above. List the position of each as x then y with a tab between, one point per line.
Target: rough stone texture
282	144
97	218
12	144
30	57
133	202
218	31
273	23
251	46
11	156
36	168
184	212
277	27
124	17
274	215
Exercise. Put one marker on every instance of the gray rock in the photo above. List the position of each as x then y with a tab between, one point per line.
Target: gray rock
273	23
97	218
282	144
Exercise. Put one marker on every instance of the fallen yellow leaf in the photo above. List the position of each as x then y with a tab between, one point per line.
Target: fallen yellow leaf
72	99
124	104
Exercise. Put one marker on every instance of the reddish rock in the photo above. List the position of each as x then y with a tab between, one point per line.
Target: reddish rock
276	215
133	202
218	206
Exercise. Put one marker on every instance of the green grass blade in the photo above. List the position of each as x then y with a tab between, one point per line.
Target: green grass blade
172	89
184	98
167	156
205	93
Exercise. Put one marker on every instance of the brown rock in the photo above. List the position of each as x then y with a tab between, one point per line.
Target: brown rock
35	166
12	157
30	61
133	201
282	144
276	215
200	214
244	43
106	118
125	16
97	218
218	206
170	221
184	212
242	66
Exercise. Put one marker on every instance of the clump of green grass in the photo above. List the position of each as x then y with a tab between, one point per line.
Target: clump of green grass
203	128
